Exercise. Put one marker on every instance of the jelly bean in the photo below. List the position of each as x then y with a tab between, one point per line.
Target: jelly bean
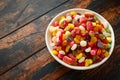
67	48
84	25
58	48
72	57
78	37
104	40
74	47
88	62
60	56
76	40
91	44
69	38
106	34
101	36
54	52
99	51
88	49
52	28
62	52
91	33
102	56
109	45
100	28
73	33
93	39
81	27
67	33
93	23
56	23
109	39
80	55
83	20
71	25
77	17
108	30
73	13
63	24
105	46
93	52
89	14
52	44
89	26
71	43
81	60
64	43
67	60
106	54
68	18
100	44
67	28
76	23
83	43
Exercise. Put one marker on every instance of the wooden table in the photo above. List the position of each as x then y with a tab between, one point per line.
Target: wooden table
23	52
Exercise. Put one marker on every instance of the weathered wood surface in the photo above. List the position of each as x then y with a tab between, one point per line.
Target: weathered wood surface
24	56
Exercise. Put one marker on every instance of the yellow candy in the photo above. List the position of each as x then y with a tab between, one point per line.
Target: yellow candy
93	39
106	54
76	40
54	33
93	23
83	31
58	48
67	33
73	13
79	56
61	19
88	62
54	52
67	48
109	39
78	37
89	13
71	25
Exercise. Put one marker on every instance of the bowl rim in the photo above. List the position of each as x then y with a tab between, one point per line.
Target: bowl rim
80	67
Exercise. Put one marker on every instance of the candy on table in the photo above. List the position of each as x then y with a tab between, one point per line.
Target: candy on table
83	43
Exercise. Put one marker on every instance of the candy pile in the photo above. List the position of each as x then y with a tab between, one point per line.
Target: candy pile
80	39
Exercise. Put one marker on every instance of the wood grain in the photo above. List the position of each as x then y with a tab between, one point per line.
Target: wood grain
20	53
14	16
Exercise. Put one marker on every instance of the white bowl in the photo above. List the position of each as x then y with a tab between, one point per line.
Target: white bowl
48	39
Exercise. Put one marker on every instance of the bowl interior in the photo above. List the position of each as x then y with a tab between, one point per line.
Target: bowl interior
48	38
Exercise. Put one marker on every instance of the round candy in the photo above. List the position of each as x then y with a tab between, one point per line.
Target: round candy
83	43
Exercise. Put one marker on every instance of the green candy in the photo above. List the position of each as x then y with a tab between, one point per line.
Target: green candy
109	45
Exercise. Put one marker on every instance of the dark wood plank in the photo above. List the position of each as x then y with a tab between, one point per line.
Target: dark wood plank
23	43
16	13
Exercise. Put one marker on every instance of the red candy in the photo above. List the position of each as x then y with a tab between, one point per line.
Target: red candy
67	60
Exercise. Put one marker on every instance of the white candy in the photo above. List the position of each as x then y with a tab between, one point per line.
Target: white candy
74	47
58	33
105	25
62	52
52	28
52	44
77	17
81	60
106	34
54	39
88	49
81	27
83	43
69	18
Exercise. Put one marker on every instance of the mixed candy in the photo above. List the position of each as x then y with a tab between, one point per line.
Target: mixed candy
80	39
